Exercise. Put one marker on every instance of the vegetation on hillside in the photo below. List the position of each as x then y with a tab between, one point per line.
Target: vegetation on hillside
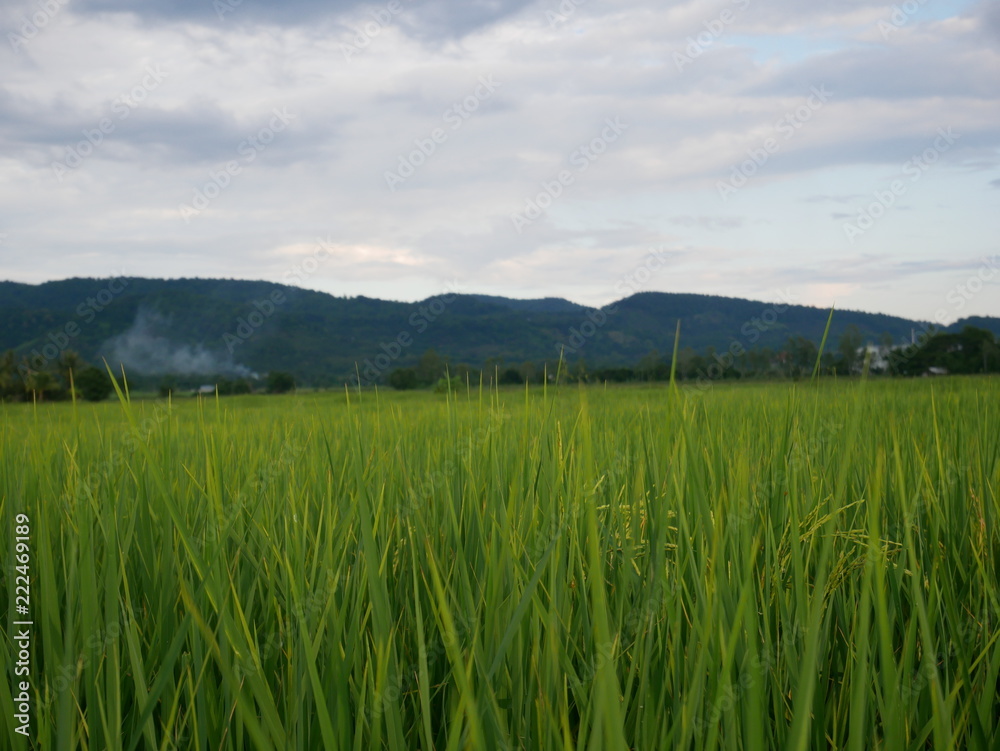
972	351
203	330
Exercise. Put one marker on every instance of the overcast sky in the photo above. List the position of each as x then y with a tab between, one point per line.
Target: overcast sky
837	150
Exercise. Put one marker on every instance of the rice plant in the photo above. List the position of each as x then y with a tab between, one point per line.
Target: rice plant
756	566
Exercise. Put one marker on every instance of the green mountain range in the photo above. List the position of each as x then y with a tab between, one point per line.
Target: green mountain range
233	327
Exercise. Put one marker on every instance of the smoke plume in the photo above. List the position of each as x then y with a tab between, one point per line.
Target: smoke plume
146	348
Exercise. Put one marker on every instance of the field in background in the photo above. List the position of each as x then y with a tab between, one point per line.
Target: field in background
762	566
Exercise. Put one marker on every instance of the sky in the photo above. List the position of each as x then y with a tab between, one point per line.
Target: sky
828	152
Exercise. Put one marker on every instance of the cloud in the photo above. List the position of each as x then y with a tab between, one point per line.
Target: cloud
874	268
359	114
832	198
709	222
989	17
433	18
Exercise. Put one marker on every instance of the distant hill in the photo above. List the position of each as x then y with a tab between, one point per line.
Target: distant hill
543	305
234	326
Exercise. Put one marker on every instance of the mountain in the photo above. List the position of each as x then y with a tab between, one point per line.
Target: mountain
542	305
227	326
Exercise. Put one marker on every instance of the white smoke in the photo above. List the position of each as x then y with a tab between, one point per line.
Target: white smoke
145	349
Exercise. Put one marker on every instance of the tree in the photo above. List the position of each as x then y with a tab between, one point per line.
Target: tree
465	373
402	379
446	385
554	372
279	382
430	368
94	384
991	357
828	363
492	368
850	343
886	344
8	376
615	375
802	355
966	352
652	367
40	381
511	377
68	366
168	386
974	346
242	386
227	387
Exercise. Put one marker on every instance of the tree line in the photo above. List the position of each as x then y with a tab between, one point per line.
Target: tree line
970	351
69	376
973	350
22	379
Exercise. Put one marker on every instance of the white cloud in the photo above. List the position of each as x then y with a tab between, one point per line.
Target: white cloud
358	115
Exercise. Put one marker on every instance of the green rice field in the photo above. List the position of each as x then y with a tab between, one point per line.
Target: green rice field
788	566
